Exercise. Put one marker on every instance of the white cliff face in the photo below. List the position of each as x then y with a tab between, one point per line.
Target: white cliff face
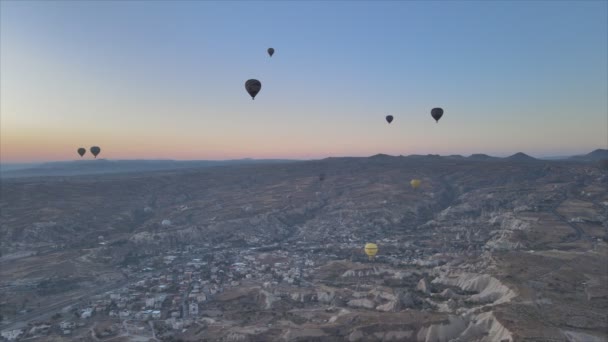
485	328
470	325
443	332
342	312
391	306
509	221
361	303
448	293
466	328
503	242
454	212
298	297
423	286
269	298
325	297
488	288
349	273
402	274
236	337
383	295
366	272
504	238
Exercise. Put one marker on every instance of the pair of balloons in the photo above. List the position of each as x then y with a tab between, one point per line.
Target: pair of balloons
254	86
94	150
436	113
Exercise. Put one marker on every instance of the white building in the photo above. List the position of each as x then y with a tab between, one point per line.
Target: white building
193	309
177	325
66	325
12	335
86	313
150	302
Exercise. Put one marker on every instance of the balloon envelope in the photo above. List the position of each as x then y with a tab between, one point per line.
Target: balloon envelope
322	177
82	151
389	118
253	87
95	150
436	113
415	183
270	51
371	249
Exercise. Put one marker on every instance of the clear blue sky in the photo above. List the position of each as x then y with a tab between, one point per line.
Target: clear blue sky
153	79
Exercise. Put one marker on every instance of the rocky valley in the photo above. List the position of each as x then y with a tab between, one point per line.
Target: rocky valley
486	249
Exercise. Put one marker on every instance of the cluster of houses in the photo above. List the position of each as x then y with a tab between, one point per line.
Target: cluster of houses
176	288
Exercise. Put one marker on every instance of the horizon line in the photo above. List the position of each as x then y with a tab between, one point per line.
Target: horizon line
500	155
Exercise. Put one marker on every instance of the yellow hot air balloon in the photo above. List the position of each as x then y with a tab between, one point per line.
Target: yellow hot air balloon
371	249
415	183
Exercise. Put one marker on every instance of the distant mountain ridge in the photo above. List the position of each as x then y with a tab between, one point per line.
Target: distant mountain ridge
520	156
480	156
595	155
102	166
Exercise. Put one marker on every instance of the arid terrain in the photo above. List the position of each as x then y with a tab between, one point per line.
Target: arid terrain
486	249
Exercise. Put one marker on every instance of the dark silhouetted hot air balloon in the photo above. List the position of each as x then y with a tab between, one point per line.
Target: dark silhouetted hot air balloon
322	177
82	151
253	87
389	118
270	51
436	113
95	150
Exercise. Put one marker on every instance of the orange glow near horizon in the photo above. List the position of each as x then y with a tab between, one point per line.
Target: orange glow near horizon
42	150
107	74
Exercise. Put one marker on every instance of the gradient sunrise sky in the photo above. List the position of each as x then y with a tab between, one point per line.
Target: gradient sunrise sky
154	79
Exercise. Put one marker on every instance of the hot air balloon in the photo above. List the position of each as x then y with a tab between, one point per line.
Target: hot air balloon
270	51
389	118
436	113
253	87
322	177
82	151
415	183
95	150
371	249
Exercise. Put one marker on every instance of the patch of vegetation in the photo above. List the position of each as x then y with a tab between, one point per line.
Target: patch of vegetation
53	286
